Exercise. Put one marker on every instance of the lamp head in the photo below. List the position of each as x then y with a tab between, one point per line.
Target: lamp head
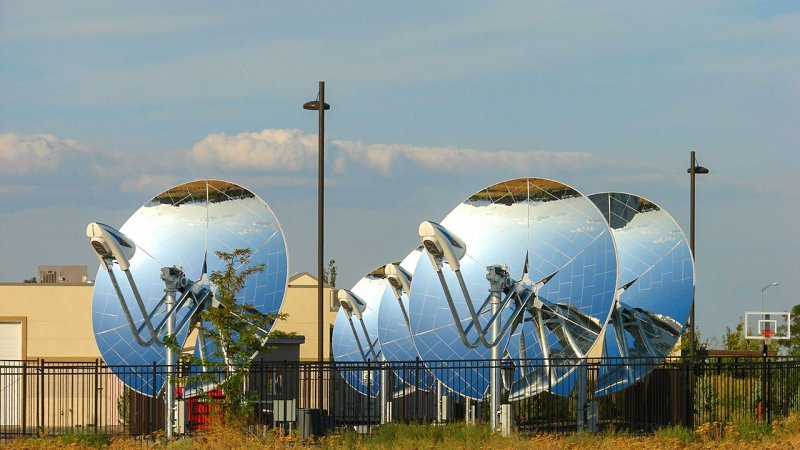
697	170
313	105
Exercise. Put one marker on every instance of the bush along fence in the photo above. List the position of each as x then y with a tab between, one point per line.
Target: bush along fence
636	395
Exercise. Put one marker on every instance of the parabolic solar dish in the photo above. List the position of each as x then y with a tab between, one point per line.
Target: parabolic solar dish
355	331
656	286
555	243
184	226
394	335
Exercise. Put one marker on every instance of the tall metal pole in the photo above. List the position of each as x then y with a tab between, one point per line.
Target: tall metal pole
774	283
320	106
321	224
693	170
321	240
692	165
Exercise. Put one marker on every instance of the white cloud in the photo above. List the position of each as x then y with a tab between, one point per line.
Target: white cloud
277	149
149	183
36	153
385	157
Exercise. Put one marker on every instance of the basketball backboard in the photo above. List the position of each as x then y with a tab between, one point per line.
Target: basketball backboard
767	325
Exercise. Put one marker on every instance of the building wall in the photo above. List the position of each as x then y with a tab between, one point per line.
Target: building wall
301	306
56	320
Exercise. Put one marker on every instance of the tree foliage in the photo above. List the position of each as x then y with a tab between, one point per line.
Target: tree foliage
235	331
734	339
792	345
329	275
698	343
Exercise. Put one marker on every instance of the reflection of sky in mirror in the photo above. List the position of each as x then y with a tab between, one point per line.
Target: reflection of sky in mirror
655	257
373	291
182	236
564	238
393	333
394	336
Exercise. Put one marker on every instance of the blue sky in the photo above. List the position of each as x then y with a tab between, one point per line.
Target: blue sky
106	104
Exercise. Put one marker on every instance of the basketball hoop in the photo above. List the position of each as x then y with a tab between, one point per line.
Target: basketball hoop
767	336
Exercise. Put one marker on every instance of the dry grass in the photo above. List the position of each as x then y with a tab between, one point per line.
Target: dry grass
783	434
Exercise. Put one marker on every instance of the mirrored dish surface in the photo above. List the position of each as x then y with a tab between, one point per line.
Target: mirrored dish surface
395	337
393	333
656	286
355	340
184	226
549	236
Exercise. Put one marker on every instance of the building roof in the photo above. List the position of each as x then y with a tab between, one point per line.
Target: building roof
306	279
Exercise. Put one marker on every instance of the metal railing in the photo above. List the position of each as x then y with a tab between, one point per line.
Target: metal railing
556	396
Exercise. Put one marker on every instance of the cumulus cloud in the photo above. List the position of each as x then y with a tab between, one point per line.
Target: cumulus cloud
387	157
36	153
271	149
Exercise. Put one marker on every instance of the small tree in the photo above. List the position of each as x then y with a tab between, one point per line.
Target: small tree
237	331
792	345
329	275
698	344
734	339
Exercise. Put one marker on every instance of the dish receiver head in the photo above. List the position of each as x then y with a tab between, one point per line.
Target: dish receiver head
441	245
351	303
398	279
110	245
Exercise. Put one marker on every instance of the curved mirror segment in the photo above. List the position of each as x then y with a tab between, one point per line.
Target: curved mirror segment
654	292
395	336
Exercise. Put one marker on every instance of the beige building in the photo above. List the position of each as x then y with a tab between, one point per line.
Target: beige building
47	321
300	305
50	325
53	322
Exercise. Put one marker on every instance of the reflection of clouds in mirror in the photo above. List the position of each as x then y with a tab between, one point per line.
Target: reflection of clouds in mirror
186	236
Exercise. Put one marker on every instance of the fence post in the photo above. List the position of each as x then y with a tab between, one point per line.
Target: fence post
41	395
152	421
96	392
417	408
689	377
764	407
580	398
24	397
383	396
369	397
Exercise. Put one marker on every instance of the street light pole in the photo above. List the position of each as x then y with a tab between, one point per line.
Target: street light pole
320	106
693	169
774	283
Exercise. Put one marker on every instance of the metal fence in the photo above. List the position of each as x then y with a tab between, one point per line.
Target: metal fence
56	398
